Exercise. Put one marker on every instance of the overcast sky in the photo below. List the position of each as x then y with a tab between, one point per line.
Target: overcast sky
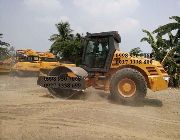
29	23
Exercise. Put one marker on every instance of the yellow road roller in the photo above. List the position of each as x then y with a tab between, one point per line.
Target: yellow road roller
106	68
27	63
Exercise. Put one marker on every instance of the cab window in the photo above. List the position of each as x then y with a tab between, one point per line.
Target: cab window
96	52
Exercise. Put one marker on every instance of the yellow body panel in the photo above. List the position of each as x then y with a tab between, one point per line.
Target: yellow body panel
49	65
68	65
27	52
36	66
71	74
4	69
157	83
46	55
26	66
152	69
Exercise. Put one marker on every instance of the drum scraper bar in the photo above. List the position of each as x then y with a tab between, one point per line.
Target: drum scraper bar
63	82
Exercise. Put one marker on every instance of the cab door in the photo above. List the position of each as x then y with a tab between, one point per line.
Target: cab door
97	54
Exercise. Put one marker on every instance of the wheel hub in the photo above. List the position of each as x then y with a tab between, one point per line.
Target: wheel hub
126	87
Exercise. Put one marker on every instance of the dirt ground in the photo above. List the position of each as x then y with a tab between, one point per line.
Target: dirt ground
27	112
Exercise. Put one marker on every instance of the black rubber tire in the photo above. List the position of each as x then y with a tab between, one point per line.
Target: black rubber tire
63	93
136	77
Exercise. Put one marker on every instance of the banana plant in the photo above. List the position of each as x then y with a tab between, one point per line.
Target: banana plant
166	45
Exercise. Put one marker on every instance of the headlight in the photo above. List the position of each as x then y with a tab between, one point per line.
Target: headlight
166	78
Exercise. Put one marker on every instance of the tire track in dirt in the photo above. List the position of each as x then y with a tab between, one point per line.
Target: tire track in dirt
53	116
28	114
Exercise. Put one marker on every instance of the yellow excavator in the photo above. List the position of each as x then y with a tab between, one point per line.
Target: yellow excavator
106	68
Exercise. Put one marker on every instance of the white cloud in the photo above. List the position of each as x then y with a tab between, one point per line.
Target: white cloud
107	7
123	26
45	12
105	15
40	17
127	25
43	6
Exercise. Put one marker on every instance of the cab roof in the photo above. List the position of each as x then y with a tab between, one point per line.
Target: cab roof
115	34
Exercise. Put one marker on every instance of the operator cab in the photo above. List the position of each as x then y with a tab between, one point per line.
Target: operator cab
32	58
25	58
99	50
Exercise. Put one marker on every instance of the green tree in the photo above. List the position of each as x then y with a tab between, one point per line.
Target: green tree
4	48
66	43
172	56
3	43
173	43
154	42
64	32
135	52
166	46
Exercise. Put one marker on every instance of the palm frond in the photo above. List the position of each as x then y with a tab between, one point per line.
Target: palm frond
54	37
177	36
176	18
149	35
145	39
4	44
162	30
169	54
